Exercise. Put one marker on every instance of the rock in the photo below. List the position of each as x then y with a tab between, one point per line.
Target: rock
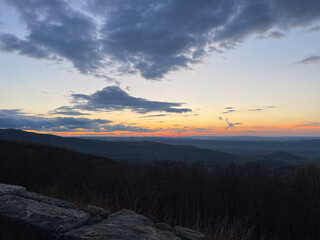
163	226
32	216
188	234
93	210
26	219
94	220
123	225
10	189
52	201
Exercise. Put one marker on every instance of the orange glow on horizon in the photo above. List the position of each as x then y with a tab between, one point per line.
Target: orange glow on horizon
285	129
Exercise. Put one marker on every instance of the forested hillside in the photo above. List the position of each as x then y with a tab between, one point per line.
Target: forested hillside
282	203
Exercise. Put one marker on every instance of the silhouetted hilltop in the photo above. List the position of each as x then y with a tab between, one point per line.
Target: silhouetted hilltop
128	151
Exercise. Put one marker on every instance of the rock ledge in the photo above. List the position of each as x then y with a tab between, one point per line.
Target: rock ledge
26	215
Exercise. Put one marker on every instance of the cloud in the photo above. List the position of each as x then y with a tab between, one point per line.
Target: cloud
312	59
231	109
261	108
272	35
313	29
255	110
309	124
16	118
114	98
231	125
152	38
155	115
66	110
228	111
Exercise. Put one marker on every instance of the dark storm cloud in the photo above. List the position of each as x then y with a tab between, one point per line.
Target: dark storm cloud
16	118
114	98
56	29
311	59
148	37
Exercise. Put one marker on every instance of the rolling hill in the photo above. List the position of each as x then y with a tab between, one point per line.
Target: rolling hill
124	150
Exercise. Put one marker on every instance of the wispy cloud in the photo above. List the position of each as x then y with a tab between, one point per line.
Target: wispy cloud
228	111
255	109
231	125
308	124
272	35
155	115
263	108
309	60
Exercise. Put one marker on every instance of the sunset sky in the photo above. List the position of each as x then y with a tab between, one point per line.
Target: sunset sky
161	68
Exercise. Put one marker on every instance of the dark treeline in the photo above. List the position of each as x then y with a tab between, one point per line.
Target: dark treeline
271	204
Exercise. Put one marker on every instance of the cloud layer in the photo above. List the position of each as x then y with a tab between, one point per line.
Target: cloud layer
16	118
114	98
103	37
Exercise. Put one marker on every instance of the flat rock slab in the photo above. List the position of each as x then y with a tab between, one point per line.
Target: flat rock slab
188	234
122	225
10	189
40	198
94	211
29	219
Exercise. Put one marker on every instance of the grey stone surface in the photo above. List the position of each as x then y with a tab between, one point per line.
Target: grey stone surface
32	216
94	220
188	234
93	210
40	198
164	226
10	189
123	225
27	217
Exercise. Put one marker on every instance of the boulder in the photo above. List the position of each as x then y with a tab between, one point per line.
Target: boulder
10	189
123	225
163	226
32	216
188	234
23	218
93	210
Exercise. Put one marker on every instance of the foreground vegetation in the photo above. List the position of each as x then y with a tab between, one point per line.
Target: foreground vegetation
234	202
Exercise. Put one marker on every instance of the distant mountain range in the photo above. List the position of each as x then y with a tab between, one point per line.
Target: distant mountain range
244	146
124	150
145	151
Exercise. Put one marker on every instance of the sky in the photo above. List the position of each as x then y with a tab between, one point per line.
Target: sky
161	68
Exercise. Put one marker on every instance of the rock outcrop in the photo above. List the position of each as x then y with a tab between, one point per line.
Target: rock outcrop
26	215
